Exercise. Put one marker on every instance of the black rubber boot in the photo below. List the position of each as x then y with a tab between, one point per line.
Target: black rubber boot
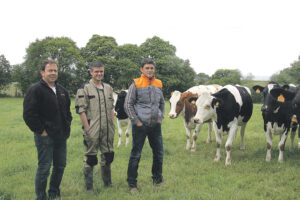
106	176
88	178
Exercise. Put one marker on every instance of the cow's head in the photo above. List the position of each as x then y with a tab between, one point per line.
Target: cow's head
289	95
206	105
174	100
185	98
270	104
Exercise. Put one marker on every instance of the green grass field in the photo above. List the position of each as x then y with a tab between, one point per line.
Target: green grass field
189	175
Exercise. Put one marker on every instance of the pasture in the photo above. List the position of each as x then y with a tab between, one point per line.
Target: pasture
189	175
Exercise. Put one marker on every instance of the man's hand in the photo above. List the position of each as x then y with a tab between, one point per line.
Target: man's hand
86	129
139	124
44	133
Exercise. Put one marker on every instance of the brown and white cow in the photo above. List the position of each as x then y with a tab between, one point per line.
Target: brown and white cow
179	103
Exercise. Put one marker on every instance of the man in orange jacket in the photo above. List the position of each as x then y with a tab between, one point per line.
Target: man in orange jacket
145	106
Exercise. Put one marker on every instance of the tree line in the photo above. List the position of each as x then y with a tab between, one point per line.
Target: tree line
121	65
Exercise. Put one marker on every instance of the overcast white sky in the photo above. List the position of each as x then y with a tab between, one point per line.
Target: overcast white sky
255	36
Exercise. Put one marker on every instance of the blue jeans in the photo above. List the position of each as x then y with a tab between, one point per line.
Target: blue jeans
49	150
156	142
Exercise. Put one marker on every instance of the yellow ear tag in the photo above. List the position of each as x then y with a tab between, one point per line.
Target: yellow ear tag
294	119
257	90
217	103
193	102
280	98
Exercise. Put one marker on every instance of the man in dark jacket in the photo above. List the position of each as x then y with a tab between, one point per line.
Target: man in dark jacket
46	111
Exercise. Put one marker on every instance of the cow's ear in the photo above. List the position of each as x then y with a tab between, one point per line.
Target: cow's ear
193	100
216	102
285	87
258	88
223	93
282	95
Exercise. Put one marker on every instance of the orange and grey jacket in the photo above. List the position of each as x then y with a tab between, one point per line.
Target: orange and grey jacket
145	101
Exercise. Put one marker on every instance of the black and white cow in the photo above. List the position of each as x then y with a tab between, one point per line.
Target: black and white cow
122	118
296	106
296	109
228	108
277	114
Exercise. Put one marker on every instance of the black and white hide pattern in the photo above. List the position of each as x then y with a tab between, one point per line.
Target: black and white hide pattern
277	114
122	119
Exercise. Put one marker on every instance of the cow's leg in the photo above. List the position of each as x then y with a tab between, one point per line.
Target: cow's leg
269	144
120	131
281	145
208	140
188	137
218	136
242	132
228	145
293	133
128	132
195	135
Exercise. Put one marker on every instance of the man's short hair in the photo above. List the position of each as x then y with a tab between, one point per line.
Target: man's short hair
46	62
147	61
95	64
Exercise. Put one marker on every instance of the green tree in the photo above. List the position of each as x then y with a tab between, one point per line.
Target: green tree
288	75
103	49
202	78
157	48
5	70
65	51
129	51
226	76
99	47
128	57
175	73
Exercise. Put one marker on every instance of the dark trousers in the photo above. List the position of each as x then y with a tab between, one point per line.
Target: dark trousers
49	150
156	142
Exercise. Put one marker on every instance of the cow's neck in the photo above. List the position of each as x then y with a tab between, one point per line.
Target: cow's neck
188	111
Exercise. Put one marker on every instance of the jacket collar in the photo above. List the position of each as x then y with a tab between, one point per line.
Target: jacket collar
147	79
45	84
92	82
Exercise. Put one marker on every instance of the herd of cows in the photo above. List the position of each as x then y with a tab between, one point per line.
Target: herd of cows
226	108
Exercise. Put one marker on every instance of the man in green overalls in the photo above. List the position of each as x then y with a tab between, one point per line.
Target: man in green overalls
94	104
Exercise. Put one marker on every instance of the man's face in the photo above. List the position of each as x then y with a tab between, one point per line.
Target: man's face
97	73
50	74
148	70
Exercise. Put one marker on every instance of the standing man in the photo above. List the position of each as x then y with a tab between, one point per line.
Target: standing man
145	106
94	104
46	111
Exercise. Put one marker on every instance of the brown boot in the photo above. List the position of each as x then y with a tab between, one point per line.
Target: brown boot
106	176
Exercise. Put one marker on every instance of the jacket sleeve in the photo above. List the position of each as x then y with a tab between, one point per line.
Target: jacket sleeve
81	102
69	114
111	97
162	105
130	100
31	111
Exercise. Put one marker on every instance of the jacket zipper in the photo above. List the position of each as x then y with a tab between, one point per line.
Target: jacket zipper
150	94
99	114
106	121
